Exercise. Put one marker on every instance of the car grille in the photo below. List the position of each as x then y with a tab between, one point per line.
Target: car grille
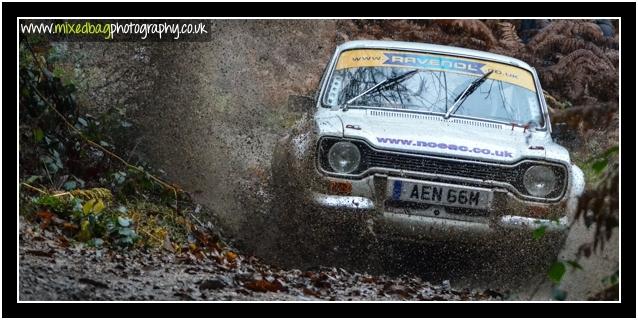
483	172
441	166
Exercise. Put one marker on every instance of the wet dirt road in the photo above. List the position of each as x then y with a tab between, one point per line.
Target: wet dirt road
54	268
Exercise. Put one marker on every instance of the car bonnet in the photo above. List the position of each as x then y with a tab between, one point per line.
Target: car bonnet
431	134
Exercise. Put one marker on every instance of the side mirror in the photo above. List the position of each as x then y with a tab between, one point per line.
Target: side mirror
558	130
298	103
563	135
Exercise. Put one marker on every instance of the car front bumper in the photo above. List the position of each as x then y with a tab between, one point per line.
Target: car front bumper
393	224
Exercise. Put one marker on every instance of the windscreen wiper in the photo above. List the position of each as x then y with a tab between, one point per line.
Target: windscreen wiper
466	93
379	86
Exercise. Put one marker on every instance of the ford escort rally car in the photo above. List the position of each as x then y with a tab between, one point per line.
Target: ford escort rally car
427	142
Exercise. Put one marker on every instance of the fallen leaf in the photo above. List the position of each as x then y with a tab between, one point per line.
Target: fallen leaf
263	286
45	217
231	256
167	245
41	253
310	292
199	255
63	241
70	226
322	281
44	214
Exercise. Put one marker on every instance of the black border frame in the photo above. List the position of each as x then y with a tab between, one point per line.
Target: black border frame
516	309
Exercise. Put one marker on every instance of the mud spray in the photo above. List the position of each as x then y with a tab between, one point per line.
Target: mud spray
210	113
217	108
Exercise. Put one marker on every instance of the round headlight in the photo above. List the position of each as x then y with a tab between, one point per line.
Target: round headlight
539	180
344	157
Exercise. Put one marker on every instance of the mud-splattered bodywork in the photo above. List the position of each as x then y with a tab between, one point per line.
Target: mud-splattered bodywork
399	146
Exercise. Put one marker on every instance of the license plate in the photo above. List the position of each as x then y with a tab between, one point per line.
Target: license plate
439	193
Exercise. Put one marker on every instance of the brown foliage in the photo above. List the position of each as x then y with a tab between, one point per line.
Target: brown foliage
578	71
508	37
588	116
476	29
561	45
572	29
474	34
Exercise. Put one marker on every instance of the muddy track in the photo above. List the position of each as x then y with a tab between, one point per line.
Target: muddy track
54	268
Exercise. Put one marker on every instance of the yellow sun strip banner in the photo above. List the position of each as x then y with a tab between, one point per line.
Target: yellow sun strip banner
384	58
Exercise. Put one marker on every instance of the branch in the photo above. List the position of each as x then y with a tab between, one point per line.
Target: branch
96	145
34	188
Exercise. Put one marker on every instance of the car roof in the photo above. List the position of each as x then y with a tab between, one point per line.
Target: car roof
433	48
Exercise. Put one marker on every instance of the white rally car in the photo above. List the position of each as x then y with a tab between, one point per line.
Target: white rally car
428	142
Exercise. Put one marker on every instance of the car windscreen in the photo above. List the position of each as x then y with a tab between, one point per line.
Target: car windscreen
508	95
